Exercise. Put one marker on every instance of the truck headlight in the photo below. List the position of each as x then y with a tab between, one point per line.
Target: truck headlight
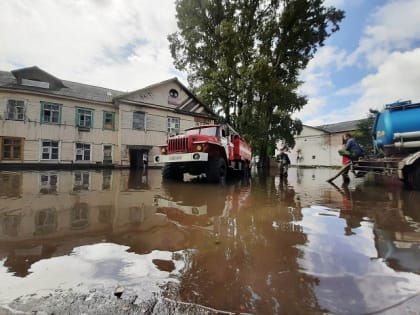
199	147
163	150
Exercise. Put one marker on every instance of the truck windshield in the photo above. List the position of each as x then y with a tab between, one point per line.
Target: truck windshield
209	131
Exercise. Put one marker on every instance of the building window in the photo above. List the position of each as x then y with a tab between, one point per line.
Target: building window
49	150
173	93
11	148
48	183
82	152
173	97
139	120
84	118
109	120
173	125
15	110
50	113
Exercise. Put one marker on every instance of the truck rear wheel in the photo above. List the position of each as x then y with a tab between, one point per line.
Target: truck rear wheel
217	170
414	177
171	171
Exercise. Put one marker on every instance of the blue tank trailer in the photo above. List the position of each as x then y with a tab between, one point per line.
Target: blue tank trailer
396	142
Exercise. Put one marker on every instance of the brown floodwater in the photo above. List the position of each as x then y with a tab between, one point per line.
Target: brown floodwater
260	245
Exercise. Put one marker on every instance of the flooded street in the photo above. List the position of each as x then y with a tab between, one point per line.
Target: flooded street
261	245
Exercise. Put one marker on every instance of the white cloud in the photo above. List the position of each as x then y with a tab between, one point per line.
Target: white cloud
310	112
354	89
111	43
393	27
397	78
317	75
317	81
387	54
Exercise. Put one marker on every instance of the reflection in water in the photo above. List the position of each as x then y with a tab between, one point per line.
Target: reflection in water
10	184
396	221
137	179
48	183
265	245
45	221
10	221
81	180
79	216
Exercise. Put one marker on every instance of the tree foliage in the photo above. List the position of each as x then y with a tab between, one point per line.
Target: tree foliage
363	134
243	58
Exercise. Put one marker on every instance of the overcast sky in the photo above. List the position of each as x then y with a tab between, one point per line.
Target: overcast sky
373	60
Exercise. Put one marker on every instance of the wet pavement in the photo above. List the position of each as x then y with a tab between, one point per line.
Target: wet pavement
122	242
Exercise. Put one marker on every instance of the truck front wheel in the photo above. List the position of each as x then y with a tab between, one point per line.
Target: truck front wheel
217	170
171	171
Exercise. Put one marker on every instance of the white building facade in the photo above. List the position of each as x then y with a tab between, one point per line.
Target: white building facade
318	146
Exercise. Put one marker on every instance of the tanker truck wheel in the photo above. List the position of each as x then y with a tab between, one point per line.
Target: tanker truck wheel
414	177
217	170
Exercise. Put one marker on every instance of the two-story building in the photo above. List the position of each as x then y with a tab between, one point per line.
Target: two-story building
48	122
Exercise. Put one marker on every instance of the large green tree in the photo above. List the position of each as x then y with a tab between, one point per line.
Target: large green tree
243	58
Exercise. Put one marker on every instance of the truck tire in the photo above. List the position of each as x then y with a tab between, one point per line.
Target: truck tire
171	171
217	170
414	177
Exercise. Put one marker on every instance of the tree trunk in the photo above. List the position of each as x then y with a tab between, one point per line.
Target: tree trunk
264	162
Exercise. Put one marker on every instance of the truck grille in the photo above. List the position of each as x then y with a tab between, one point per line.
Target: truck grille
178	145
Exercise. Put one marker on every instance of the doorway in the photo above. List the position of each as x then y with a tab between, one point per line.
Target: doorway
136	157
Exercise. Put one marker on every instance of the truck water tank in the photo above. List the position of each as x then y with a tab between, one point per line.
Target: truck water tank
398	117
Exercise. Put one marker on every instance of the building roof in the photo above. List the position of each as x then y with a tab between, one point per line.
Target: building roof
37	74
344	126
9	80
36	80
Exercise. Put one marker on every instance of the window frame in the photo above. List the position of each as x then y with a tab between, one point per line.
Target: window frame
144	120
169	128
12	158
83	154
104	126
41	153
8	111
78	115
43	104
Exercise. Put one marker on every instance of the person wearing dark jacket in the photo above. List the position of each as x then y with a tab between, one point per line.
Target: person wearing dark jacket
352	149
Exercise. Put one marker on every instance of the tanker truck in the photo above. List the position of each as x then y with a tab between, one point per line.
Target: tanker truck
212	150
396	142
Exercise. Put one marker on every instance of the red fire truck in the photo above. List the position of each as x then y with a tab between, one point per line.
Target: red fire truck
213	150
